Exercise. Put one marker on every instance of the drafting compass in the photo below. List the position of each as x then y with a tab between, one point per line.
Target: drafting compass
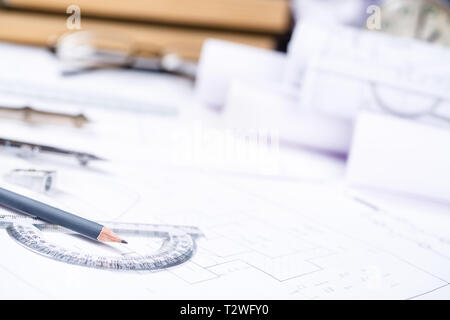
29	149
427	20
178	244
32	115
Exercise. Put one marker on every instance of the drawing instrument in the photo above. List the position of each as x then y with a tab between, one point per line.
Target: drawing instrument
87	228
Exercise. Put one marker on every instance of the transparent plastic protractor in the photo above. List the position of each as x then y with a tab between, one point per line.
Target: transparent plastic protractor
178	246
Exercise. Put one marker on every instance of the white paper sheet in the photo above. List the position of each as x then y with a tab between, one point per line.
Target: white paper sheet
268	108
344	70
222	61
400	156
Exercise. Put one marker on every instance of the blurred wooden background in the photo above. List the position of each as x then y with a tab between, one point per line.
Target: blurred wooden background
179	26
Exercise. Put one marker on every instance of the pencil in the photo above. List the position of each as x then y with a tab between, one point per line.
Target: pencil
53	215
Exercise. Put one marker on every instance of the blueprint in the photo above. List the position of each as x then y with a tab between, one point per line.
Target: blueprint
261	234
364	70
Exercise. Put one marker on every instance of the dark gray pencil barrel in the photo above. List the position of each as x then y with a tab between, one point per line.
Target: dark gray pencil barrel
50	214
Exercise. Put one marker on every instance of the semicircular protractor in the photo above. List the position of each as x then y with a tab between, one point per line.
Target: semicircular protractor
176	244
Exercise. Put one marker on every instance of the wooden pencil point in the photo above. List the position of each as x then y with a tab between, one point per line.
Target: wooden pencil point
107	235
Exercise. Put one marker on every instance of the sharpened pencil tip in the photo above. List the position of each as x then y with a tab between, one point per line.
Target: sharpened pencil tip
107	235
123	241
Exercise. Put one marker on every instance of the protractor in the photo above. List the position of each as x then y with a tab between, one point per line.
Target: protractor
177	244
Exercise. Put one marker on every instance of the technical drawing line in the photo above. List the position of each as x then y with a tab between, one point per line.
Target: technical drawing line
422	294
299	213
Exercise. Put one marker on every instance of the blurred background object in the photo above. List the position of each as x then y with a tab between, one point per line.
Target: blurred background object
36	116
347	12
88	50
180	27
427	20
174	26
37	180
250	15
